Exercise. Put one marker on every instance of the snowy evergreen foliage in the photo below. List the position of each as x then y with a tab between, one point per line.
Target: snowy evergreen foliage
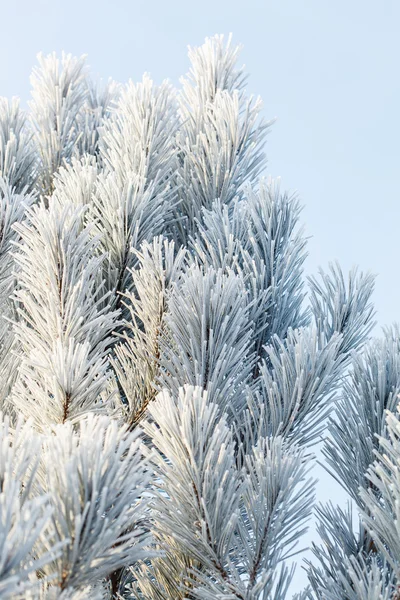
164	368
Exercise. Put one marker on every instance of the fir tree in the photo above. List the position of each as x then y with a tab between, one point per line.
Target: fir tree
165	369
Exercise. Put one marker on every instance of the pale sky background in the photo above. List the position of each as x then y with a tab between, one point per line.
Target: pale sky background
327	69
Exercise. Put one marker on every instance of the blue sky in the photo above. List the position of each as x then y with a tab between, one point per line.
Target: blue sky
327	70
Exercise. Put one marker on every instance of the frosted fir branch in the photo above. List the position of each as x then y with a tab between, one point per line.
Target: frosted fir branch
206	340
137	357
95	476
76	182
257	238
277	501
372	583
276	246
20	528
24	518
221	242
217	159
13	206
351	445
138	137
221	237
200	477
371	388
59	92
343	307
12	211
220	142
100	103
382	497
213	67
361	582
17	153
64	328
341	543
135	196
236	531
124	219
295	388
355	433
162	578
